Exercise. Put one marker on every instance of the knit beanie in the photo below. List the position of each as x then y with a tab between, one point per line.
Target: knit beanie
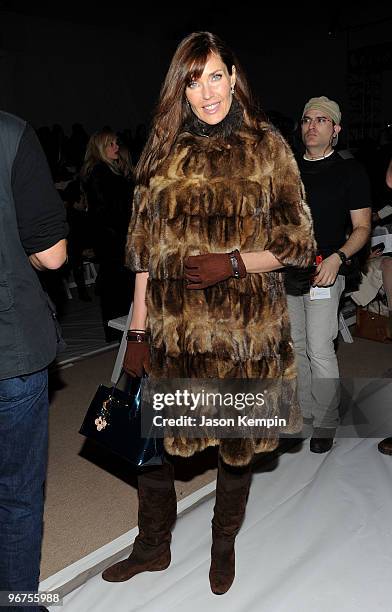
325	105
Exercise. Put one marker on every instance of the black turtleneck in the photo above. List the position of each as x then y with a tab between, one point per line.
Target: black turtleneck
229	124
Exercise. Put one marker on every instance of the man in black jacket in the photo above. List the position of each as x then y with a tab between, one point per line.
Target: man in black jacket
32	235
338	192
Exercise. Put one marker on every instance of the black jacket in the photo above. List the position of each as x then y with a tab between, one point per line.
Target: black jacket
28	340
109	197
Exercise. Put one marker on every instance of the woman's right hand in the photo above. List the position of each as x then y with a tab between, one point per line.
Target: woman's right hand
137	355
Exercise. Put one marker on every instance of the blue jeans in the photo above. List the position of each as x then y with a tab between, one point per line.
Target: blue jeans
23	461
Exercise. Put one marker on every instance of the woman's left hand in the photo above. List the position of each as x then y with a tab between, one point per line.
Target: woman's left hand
201	271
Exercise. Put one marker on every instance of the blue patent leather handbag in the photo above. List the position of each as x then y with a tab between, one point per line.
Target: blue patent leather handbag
113	420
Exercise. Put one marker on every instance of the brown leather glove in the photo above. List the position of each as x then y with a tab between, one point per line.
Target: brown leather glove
203	271
137	354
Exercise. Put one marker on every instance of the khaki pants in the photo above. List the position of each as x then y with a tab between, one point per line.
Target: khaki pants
314	327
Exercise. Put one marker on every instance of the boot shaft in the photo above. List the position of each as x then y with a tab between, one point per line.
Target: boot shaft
232	489
157	505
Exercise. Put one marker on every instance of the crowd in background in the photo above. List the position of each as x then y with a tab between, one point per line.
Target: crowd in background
94	176
87	242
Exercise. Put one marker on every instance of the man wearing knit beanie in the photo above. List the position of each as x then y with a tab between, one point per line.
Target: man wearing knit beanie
320	126
338	193
326	106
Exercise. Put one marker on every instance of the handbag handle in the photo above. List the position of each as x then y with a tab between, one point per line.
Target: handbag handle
122	372
133	382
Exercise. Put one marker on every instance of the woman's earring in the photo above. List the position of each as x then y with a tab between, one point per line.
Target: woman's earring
232	89
335	139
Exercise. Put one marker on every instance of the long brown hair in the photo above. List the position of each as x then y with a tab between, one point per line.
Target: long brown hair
172	110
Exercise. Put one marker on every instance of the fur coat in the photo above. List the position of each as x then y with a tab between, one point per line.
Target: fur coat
233	190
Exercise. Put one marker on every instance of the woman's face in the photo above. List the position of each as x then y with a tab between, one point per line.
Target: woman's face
210	96
111	149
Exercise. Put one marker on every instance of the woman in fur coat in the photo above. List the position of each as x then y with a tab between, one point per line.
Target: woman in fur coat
218	210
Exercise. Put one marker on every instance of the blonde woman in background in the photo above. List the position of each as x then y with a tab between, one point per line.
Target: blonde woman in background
109	194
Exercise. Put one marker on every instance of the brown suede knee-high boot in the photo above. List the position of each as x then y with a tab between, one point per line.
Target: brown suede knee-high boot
156	516
232	490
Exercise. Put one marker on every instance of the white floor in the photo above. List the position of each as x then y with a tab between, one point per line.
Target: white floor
317	537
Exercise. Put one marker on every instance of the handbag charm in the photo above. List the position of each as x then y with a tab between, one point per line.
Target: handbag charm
103	415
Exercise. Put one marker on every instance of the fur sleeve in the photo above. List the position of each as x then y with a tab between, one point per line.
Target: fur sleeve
291	238
137	252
